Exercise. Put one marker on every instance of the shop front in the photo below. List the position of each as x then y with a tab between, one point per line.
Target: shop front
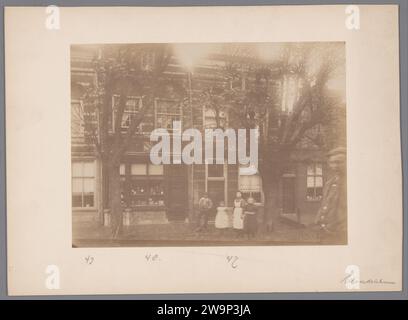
153	194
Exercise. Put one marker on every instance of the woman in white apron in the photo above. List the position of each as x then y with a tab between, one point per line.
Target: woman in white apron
238	213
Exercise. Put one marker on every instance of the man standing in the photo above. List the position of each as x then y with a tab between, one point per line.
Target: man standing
332	215
204	206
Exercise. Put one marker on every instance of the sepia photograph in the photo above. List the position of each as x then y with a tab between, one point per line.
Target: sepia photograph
212	150
198	144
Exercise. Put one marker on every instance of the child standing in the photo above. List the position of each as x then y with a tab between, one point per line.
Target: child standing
222	219
204	205
250	218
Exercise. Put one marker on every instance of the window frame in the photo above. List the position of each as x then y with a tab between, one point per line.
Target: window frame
79	118
146	179
250	191
83	178
223	118
157	114
134	112
314	176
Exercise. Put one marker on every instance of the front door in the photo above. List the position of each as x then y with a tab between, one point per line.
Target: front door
288	195
216	192
216	185
176	191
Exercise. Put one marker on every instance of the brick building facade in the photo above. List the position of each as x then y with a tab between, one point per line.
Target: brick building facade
166	193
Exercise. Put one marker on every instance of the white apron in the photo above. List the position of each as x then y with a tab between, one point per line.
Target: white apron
238	220
222	219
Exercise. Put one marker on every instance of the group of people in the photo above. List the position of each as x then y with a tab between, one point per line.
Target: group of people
242	219
330	221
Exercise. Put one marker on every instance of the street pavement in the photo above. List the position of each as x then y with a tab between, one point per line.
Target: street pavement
184	234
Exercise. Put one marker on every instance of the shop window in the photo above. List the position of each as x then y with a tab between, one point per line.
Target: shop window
155	170
83	184
314	182
146	186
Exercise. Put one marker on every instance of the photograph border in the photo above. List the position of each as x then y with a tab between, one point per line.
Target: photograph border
403	30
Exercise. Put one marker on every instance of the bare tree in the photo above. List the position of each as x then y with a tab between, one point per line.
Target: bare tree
313	117
121	71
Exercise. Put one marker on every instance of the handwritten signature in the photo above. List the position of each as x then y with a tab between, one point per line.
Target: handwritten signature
351	279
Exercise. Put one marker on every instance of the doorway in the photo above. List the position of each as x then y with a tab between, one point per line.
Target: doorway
176	191
288	195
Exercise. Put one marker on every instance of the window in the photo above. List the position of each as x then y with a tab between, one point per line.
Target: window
84	120
132	108
251	186
210	122
77	119
122	169
167	111
133	105
122	173
138	169
210	118
250	182
147	61
83	184
314	182
146	186
155	170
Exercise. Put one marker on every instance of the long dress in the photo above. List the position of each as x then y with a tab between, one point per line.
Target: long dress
250	219
238	220
222	219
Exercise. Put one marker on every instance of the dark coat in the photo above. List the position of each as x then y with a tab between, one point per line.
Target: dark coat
332	214
250	218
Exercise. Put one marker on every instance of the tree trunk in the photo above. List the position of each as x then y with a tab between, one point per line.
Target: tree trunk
115	200
271	214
